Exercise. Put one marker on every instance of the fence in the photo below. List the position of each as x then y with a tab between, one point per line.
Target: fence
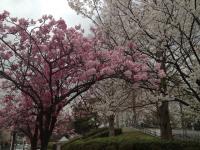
187	135
150	132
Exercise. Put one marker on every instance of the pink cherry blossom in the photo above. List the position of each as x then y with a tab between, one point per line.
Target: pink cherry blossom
157	66
48	66
161	73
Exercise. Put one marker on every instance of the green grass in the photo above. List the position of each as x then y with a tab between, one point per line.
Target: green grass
134	140
123	138
50	146
131	136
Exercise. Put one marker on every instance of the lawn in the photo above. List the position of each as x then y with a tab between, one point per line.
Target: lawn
131	136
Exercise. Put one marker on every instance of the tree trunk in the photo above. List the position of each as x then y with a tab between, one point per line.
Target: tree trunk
134	114
117	120
111	120
165	126
46	125
12	147
44	145
44	141
33	144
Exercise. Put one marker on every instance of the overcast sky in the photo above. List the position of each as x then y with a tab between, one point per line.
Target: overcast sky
36	8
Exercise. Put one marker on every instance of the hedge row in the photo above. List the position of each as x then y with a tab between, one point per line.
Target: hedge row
103	144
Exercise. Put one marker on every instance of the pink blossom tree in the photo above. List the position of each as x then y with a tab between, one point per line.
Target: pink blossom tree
46	65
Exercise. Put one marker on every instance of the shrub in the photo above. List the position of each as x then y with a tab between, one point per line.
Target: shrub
118	131
84	125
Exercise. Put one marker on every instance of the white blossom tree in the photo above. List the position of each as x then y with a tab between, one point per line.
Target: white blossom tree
109	98
166	30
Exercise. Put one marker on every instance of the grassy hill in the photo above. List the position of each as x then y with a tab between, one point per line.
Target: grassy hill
134	140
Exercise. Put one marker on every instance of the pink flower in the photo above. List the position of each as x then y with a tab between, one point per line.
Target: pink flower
4	15
130	64
128	73
14	67
6	55
145	68
61	24
141	77
87	45
13	30
23	22
161	73
92	64
90	72
132	45
157	66
107	71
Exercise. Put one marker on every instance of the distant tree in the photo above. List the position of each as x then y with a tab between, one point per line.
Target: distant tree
109	98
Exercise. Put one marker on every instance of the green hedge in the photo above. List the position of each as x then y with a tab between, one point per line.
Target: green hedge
98	144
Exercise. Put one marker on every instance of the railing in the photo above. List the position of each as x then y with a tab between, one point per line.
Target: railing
177	134
150	132
186	137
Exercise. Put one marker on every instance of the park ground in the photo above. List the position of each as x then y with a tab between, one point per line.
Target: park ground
129	140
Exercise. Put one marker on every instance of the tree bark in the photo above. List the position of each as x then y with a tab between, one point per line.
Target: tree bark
44	139
164	118
33	144
44	142
134	114
13	140
117	120
111	120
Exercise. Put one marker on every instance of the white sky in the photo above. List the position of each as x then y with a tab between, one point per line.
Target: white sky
36	8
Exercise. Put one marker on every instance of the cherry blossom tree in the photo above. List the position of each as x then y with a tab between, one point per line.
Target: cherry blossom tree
19	114
160	30
108	98
125	20
46	65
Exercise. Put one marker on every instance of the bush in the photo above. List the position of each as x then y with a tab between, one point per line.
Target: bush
118	131
84	125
